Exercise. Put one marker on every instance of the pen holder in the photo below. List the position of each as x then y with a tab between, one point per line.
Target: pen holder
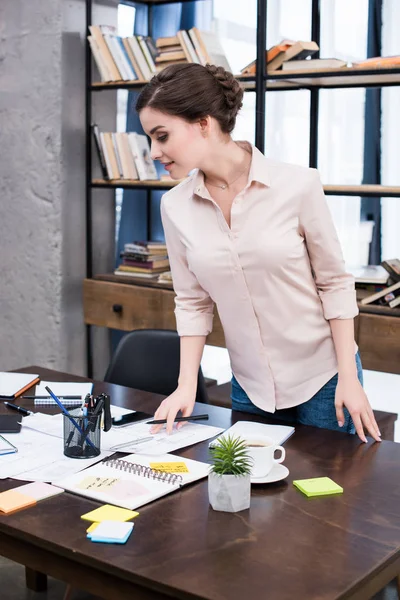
85	441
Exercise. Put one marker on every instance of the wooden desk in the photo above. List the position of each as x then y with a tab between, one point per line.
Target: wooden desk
286	546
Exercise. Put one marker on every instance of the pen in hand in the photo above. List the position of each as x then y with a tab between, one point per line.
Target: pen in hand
179	419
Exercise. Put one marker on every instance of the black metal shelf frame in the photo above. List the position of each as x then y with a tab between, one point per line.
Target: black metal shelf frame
260	79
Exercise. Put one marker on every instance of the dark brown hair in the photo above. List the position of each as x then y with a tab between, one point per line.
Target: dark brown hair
192	91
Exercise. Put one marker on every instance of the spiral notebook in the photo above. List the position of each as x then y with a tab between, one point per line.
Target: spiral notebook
136	480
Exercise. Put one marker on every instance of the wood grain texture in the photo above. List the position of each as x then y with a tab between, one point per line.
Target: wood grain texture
379	342
139	307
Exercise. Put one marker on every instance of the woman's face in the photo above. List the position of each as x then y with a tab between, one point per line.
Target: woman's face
177	144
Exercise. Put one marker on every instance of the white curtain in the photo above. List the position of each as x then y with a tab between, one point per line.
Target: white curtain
391	135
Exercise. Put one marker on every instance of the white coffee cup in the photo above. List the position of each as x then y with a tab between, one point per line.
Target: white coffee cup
261	450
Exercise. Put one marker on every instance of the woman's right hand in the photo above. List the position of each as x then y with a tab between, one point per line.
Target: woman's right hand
180	400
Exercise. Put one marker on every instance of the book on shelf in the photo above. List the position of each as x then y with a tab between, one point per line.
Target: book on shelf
99	60
133	60
118	161
165	277
387	297
374	274
110	156
320	64
112	69
144	256
141	153
211	50
151	276
129	269
297	51
146	264
270	54
166	42
99	149
148	55
148	246
142	63
392	266
378	62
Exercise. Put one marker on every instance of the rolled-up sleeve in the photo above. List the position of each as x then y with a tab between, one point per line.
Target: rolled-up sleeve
335	287
194	309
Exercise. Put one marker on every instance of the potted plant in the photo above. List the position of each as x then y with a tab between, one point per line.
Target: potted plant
229	478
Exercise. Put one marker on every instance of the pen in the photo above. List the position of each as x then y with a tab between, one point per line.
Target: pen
66	413
178	419
19	409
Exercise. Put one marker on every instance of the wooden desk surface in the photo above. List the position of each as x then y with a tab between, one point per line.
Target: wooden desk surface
286	546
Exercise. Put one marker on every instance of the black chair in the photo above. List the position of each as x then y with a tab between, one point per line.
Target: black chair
148	359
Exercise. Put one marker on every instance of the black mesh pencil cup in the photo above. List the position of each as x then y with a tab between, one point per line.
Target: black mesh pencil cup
81	434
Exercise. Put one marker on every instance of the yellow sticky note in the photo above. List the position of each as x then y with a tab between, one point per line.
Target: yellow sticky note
170	467
107	512
92	527
318	486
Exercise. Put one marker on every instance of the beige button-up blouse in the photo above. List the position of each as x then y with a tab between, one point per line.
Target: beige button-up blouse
276	276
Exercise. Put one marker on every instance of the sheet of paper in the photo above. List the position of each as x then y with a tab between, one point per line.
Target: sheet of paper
138	439
40	457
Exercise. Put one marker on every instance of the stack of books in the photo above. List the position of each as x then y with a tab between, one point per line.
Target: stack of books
124	156
286	50
379	284
138	57
144	260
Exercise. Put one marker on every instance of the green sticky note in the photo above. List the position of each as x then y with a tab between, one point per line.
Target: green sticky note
318	486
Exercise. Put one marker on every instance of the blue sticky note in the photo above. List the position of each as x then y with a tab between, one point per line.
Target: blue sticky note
111	532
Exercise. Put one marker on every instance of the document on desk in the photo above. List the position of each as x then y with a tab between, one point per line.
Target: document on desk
138	439
40	454
132	438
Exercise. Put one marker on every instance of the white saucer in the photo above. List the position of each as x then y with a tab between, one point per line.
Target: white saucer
278	472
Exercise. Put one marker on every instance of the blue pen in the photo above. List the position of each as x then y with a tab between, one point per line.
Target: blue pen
66	413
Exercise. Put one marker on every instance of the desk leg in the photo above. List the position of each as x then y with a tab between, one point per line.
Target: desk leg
35	581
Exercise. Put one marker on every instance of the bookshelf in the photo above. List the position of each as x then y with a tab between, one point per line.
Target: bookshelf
111	301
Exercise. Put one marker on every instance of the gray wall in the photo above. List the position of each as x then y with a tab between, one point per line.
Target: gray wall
42	184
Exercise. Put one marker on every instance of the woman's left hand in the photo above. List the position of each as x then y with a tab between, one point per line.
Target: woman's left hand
350	393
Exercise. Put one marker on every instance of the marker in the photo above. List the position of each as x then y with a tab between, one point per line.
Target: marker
19	409
179	419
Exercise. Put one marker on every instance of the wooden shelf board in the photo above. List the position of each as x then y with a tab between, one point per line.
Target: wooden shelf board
132	281
347	77
127	183
363	190
332	190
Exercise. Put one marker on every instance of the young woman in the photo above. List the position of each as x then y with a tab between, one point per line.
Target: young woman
255	237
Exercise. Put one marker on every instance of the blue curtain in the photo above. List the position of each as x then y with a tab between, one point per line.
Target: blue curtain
371	207
167	19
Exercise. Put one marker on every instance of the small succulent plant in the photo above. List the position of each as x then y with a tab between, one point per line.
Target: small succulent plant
230	457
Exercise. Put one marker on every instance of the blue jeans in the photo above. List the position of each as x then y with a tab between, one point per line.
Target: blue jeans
319	411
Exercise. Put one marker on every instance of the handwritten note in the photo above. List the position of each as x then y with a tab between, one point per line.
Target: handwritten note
170	467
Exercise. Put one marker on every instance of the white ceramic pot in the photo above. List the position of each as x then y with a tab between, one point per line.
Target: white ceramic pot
229	493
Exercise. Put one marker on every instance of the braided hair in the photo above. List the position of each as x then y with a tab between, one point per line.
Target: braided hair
192	91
